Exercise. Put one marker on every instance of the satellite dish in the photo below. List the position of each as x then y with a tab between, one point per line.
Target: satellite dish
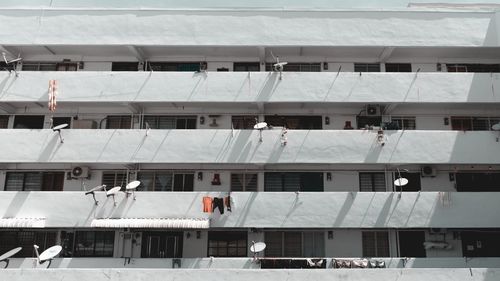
112	192
496	127
59	127
260	126
10	61
132	186
401	182
93	190
5	257
48	254
257	247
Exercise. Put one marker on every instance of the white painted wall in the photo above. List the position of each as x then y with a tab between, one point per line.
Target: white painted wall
345	243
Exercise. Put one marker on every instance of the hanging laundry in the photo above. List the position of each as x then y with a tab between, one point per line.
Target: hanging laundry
207	204
227	202
218	203
52	95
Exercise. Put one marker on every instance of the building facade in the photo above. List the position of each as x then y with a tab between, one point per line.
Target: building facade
355	101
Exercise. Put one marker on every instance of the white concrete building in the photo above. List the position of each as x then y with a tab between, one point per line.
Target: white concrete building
169	95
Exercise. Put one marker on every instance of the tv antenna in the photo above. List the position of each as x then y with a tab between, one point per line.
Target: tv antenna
278	66
47	255
5	257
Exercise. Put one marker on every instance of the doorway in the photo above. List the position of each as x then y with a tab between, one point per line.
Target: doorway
411	244
158	244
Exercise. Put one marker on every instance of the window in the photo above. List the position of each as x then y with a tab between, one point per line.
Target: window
125	66
462	67
367	67
244	122
294	244
473	123
295	122
365	122
9	67
161	244
94	243
297	67
478	182
176	66
119	122
397	67
480	242
34	181
413	181
372	181
50	66
165	181
375	243
293	181
26	239
404	123
56	121
4	121
169	122
246	66
227	244
244	182
112	179
28	121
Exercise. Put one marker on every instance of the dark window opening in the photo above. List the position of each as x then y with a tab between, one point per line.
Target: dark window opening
473	123
165	181
28	121
365	122
119	122
56	121
161	244
481	243
411	244
169	122
9	67
222	69
183	182
367	67
478	182
402	123
246	66
125	66
293	181
398	67
94	243
243	122
112	179
294	244
34	181
295	122
26	239
176	66
297	67
4	121
244	182
463	67
413	181
375	243
372	181
227	244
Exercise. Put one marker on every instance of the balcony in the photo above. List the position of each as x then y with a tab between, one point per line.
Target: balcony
243	147
327	210
149	89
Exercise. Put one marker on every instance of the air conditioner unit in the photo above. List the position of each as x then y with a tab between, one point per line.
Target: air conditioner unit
80	172
372	110
428	171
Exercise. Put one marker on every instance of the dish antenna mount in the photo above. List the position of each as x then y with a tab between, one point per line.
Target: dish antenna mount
47	255
496	128
131	187
400	181
260	126
93	190
278	66
256	248
58	129
8	62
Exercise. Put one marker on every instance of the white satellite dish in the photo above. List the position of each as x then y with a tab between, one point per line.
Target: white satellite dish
112	192
59	127
131	187
260	126
496	127
401	182
10	61
48	254
257	247
5	257
93	190
58	130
